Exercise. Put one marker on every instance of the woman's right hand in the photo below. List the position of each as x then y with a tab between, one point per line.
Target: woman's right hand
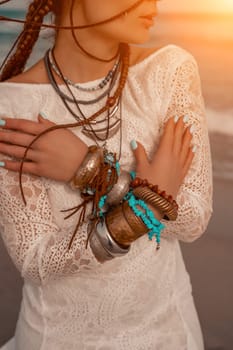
171	161
56	155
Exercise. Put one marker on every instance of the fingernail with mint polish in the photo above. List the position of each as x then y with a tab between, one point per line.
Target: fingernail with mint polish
194	149
176	118
2	164
2	122
134	145
43	115
186	118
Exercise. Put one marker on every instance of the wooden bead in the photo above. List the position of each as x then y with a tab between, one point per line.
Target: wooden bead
136	182
111	101
155	188
163	194
170	199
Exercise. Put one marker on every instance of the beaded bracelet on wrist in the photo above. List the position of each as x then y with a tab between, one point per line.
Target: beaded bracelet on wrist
142	211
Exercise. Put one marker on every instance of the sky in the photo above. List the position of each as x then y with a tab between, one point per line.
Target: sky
174	5
196	6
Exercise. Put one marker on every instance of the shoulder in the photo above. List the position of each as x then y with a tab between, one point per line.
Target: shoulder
161	63
170	54
22	95
25	86
33	75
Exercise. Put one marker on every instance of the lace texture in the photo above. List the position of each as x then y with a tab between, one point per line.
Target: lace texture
136	302
196	192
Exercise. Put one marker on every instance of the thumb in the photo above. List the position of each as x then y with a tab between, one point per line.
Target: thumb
42	118
139	153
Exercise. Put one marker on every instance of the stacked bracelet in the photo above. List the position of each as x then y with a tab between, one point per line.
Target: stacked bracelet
131	220
155	197
88	169
142	211
136	224
164	206
120	212
119	227
155	188
103	245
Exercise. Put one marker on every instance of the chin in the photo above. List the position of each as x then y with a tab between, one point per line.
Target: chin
140	35
139	39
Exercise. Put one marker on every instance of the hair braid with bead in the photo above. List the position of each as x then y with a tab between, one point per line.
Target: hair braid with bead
37	10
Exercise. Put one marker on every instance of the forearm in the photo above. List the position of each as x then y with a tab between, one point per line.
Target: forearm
37	243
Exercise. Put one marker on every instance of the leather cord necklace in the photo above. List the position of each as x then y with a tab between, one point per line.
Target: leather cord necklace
87	130
102	133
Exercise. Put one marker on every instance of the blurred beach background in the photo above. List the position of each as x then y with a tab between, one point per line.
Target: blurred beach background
204	28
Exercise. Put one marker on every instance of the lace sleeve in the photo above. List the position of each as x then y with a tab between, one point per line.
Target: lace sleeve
195	195
37	245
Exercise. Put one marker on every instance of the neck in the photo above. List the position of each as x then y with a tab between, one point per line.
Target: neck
77	65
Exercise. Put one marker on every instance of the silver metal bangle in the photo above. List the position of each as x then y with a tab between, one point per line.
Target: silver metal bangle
104	246
120	189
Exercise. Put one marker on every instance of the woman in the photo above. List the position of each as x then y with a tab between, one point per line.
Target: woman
73	296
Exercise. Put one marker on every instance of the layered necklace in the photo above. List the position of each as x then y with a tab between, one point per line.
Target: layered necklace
106	122
99	126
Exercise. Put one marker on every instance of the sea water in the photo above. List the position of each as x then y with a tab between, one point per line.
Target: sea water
209	39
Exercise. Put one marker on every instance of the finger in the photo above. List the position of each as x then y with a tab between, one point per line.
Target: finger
187	138
139	153
16	138
188	161
28	167
17	151
178	135
27	126
168	133
43	119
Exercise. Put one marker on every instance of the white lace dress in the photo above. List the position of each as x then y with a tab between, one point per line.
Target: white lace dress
142	301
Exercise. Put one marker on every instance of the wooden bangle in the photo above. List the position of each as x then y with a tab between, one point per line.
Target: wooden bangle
166	208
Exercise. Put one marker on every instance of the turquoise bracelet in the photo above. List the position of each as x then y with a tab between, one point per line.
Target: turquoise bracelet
142	211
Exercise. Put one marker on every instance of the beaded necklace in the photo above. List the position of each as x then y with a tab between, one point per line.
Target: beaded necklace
100	85
62	94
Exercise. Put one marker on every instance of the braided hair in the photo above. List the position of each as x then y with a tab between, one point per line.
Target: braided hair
37	10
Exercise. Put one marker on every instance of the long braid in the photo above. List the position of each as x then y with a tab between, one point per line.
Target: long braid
37	10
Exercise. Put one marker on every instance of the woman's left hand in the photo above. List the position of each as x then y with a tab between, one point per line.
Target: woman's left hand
56	155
